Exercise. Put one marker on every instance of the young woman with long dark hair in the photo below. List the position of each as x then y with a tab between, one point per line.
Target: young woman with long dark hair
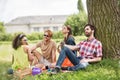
68	39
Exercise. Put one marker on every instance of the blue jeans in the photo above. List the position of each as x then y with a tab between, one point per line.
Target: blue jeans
66	52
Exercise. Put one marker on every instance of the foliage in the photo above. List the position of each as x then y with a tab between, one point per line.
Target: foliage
39	36
32	36
77	21
35	36
80	6
2	30
5	37
57	35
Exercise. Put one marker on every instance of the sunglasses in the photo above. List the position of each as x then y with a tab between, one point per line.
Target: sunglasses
46	35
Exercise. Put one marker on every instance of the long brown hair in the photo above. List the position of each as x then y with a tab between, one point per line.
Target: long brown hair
69	33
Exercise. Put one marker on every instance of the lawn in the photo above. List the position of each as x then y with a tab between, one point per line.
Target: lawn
107	69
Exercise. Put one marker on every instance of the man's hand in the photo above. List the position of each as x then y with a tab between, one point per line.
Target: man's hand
83	60
96	59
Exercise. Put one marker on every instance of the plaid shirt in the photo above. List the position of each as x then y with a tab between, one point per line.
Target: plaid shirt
90	49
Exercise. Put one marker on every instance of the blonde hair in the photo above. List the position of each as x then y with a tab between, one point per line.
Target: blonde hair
49	33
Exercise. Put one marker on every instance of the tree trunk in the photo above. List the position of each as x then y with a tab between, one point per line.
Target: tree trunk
105	15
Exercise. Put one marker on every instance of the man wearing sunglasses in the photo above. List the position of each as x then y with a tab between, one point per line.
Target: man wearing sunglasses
48	49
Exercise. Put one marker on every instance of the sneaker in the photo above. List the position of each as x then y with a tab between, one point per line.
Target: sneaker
55	70
64	68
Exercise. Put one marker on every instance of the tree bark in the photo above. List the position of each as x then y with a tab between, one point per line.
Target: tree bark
105	15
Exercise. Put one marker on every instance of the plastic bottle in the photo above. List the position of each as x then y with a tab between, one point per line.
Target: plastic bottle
36	71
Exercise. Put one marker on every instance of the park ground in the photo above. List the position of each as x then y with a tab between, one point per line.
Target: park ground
107	69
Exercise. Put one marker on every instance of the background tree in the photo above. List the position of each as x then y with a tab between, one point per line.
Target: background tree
80	6
77	21
2	30
4	36
105	15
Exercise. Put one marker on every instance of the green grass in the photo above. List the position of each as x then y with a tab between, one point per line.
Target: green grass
5	52
107	69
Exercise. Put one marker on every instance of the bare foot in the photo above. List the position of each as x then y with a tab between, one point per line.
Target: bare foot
40	66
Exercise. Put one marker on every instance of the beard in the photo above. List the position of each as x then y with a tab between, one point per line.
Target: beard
88	34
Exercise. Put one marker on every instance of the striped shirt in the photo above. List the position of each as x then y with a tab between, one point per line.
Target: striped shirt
90	48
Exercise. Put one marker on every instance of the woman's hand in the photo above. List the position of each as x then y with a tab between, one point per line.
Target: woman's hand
60	46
